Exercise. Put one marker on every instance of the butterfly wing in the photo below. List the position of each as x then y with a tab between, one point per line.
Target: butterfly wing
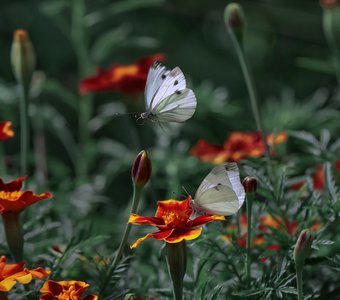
221	191
162	83
177	107
157	74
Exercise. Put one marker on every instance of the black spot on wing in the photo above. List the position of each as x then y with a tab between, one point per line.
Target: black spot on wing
176	82
178	92
163	76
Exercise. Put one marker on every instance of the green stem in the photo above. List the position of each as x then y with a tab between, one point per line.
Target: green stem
14	235
299	283
3	296
24	129
248	77
249	204
2	163
85	104
176	258
137	191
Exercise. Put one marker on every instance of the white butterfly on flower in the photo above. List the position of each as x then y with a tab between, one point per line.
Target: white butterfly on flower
221	192
167	99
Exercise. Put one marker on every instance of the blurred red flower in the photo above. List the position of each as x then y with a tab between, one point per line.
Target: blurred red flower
13	200
6	130
173	221
57	290
10	274
329	3
238	146
127	79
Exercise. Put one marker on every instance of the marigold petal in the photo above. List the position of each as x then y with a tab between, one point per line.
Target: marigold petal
161	235
7	284
40	273
177	237
205	219
140	220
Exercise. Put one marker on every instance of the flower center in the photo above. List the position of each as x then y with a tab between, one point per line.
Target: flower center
174	218
122	71
10	196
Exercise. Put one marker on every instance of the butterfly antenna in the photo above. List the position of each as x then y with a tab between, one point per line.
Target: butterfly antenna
185	190
135	114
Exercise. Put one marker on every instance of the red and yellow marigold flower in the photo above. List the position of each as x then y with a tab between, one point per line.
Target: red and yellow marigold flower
64	290
127	79
238	146
13	200
10	274
173	222
6	130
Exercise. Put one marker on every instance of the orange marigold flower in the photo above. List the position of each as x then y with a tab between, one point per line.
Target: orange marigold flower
173	221
60	290
10	274
269	222
241	145
276	138
128	79
209	152
13	200
6	130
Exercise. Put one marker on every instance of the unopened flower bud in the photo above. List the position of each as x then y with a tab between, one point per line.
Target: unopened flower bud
141	169
235	20
22	57
249	184
130	297
303	247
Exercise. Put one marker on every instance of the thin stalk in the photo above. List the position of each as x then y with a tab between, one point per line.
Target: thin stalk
248	77
299	283
40	149
249	204
24	129
137	191
2	163
85	104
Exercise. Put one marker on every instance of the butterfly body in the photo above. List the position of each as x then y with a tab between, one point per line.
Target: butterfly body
167	99
221	191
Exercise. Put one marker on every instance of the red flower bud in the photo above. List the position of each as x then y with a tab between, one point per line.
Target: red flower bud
141	169
235	20
249	184
303	247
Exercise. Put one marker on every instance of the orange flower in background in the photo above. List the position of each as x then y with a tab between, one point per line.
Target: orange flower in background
267	223
173	221
6	130
13	200
238	146
128	79
209	153
10	274
276	138
64	290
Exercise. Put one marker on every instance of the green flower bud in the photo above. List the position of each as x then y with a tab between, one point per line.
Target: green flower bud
22	57
235	20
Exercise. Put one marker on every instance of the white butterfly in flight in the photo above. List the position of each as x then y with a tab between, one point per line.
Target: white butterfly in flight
221	192
167	99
